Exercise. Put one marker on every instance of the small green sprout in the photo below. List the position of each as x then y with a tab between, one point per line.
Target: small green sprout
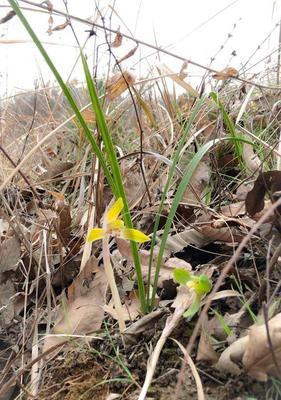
200	285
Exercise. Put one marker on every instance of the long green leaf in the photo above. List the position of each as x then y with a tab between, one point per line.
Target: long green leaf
116	174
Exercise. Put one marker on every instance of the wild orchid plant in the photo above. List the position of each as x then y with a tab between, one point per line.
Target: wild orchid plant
199	285
112	226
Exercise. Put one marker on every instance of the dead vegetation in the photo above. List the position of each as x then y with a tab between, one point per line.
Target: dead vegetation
59	333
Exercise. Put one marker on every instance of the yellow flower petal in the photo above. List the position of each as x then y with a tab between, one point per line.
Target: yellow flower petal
95	234
117	224
134	234
114	211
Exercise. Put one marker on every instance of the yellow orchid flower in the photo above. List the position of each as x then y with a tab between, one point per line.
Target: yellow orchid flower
115	227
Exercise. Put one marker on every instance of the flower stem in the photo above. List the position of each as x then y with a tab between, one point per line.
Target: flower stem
111	281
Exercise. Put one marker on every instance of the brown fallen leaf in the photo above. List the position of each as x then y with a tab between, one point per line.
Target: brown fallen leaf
205	350
251	159
118	83
64	223
83	311
9	255
258	359
177	242
255	352
64	217
226	73
267	182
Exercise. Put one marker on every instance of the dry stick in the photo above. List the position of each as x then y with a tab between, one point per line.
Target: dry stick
271	265
220	280
138	41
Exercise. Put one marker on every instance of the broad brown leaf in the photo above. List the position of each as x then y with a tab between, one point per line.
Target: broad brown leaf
118	83
267	182
83	311
9	254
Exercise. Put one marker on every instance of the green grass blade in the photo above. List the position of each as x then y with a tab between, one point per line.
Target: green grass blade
175	160
120	191
178	196
230	127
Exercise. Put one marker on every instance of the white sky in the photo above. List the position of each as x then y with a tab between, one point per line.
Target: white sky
190	27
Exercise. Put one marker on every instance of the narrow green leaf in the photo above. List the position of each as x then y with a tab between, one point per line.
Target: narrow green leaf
120	190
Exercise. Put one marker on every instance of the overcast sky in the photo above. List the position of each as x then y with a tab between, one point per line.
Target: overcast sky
195	29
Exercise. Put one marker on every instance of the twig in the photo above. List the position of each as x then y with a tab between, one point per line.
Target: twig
270	268
188	359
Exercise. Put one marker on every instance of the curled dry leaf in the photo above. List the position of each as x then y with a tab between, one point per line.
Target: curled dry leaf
183	70
48	4
231	356
64	217
118	83
64	225
226	73
267	182
60	27
117	42
255	352
177	242
128	55
7	17
83	311
258	358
